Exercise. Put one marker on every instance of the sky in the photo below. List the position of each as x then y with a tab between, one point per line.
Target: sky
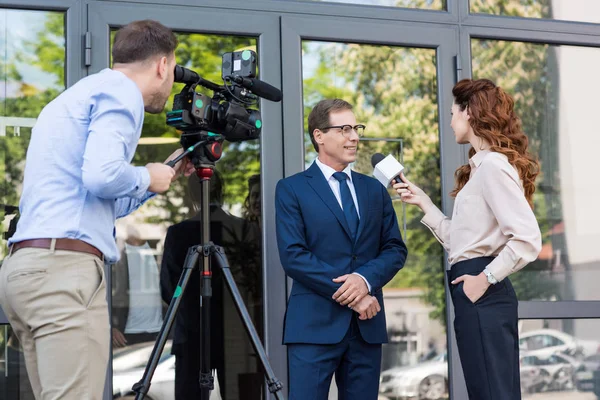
17	27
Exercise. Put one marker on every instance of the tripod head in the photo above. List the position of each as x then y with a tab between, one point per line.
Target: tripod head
202	148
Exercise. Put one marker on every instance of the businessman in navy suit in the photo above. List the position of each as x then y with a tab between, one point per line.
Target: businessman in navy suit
339	241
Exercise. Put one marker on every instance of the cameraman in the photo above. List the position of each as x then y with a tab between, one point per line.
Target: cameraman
78	180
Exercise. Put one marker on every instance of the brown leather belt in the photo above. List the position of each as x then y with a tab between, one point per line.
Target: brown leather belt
61	244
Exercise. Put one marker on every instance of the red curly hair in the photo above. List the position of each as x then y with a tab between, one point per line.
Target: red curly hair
493	118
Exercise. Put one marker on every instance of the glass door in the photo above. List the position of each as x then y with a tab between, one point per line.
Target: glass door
398	77
35	69
242	220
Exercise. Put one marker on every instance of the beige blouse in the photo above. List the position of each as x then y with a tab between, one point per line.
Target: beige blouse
491	217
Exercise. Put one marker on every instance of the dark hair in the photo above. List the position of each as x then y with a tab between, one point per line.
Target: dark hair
142	40
319	116
493	118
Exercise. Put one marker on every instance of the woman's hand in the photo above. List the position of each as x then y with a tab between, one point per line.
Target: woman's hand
412	194
474	285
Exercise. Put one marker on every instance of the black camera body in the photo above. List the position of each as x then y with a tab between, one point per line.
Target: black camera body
229	112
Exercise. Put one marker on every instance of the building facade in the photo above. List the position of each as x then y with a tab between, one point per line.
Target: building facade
396	61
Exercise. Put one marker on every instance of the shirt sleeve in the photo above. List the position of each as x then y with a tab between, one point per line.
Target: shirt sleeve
126	205
439	225
503	193
106	171
366	281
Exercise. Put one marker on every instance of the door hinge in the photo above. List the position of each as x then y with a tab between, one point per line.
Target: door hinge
458	68
87	49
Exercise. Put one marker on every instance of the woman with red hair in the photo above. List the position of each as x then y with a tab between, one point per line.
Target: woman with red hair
492	234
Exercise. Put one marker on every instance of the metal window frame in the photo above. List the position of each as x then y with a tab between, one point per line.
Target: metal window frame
442	38
265	27
74	28
290	22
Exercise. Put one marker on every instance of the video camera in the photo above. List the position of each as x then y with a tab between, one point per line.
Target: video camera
228	113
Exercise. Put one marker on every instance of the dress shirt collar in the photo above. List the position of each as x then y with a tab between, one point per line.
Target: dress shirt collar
328	171
477	159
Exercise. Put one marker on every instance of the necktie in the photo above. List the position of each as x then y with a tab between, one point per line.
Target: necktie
347	203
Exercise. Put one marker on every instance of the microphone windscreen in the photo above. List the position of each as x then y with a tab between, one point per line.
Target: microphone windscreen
376	158
387	169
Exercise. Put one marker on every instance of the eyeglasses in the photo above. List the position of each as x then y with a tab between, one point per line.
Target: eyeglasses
347	129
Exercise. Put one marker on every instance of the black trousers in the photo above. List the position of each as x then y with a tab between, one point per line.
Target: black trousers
487	335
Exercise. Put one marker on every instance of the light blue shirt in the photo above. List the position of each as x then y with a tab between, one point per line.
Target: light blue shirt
78	176
334	184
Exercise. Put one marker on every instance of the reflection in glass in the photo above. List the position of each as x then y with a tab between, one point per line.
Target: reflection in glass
421	4
32	73
560	356
154	242
32	57
569	10
400	112
554	89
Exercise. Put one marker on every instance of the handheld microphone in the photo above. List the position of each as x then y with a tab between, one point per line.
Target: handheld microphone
259	88
386	169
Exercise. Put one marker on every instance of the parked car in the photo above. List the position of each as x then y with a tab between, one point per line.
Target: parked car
545	342
532	380
129	364
555	373
584	374
424	381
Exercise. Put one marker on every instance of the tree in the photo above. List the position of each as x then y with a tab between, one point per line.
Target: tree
392	105
197	51
404	105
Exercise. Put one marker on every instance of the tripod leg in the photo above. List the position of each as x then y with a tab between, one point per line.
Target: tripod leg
274	384
142	387
206	378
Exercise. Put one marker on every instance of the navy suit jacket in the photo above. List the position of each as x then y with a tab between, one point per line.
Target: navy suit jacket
315	247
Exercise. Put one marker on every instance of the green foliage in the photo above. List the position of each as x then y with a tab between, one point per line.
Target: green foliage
201	53
394	93
528	71
47	52
512	8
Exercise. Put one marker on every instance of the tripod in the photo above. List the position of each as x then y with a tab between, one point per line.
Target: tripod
204	154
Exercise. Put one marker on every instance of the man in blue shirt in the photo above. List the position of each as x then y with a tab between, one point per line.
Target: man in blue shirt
78	180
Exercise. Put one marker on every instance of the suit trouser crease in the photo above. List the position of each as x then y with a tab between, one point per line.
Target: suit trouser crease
487	336
355	363
55	301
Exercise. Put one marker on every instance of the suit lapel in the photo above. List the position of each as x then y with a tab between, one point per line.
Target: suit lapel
317	181
362	196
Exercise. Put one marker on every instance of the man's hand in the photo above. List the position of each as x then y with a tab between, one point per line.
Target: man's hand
161	176
367	308
184	166
118	338
474	286
352	290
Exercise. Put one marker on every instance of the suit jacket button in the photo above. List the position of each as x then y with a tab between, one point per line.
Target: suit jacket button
354	257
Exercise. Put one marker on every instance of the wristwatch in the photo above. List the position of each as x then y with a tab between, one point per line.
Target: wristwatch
490	278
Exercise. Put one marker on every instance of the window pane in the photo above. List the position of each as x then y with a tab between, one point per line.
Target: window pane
569	10
32	58
422	4
400	113
154	242
560	358
555	92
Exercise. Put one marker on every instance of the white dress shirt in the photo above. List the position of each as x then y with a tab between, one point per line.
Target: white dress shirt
491	217
334	184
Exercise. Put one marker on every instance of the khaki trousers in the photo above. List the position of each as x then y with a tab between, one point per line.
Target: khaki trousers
55	301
